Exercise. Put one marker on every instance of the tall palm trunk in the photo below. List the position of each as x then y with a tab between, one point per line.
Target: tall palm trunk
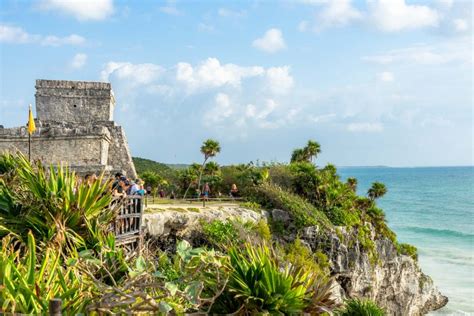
200	176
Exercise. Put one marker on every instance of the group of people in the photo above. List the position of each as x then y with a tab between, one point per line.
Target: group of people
122	186
206	192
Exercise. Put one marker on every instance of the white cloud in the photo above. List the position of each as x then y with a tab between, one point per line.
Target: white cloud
279	79
135	74
260	115
16	35
338	13
222	109
396	15
424	54
365	127
331	13
322	118
385	76
11	34
79	61
271	42
224	12
81	9
460	25
212	74
72	39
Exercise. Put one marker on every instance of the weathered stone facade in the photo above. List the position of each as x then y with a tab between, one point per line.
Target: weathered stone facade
74	126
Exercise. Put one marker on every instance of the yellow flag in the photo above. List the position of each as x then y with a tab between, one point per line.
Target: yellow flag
31	123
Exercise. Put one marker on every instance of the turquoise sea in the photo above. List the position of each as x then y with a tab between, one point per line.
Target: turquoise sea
433	209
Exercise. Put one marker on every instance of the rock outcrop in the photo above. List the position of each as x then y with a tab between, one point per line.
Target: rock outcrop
394	281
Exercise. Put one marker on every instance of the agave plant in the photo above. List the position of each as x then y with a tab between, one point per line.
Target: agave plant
53	205
260	284
361	307
27	284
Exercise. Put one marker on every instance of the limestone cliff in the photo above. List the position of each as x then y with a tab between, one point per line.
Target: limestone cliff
394	281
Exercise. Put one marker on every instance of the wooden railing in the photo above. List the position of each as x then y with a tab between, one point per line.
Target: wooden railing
128	222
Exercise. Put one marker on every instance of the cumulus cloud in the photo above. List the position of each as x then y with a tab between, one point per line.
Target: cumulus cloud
135	74
16	35
80	9
230	95
365	127
211	73
338	13
78	61
279	79
271	42
222	109
396	15
12	34
331	13
385	76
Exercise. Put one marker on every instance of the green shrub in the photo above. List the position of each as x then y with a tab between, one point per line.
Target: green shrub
303	213
219	233
408	250
341	217
29	280
258	281
251	205
52	205
357	307
301	256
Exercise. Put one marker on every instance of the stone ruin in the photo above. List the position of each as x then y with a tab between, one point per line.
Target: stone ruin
75	127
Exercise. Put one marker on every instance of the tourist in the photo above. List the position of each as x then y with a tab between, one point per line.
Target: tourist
141	190
206	191
234	191
121	188
172	195
133	188
148	190
162	193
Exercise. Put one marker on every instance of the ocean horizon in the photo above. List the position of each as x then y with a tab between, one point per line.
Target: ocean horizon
433	209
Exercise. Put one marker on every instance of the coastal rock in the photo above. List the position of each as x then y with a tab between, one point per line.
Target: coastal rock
394	281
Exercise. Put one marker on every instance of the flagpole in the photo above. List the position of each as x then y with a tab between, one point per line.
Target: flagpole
31	130
29	147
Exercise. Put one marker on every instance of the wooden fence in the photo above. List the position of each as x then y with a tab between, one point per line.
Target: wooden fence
127	225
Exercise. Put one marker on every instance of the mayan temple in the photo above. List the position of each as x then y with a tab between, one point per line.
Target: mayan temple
74	126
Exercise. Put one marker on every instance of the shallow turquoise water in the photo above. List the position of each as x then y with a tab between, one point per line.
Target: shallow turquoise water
433	209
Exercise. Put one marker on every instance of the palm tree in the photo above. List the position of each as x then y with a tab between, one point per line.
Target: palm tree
352	183
311	150
212	168
298	155
377	190
210	148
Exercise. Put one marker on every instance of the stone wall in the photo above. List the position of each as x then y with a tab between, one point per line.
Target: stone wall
86	150
119	153
75	127
74	101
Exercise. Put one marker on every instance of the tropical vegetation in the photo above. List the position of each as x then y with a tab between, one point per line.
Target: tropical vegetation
56	241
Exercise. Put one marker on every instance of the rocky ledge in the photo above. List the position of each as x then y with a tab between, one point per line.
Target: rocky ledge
394	281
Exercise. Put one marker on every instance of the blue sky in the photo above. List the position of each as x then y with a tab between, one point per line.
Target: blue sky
376	82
